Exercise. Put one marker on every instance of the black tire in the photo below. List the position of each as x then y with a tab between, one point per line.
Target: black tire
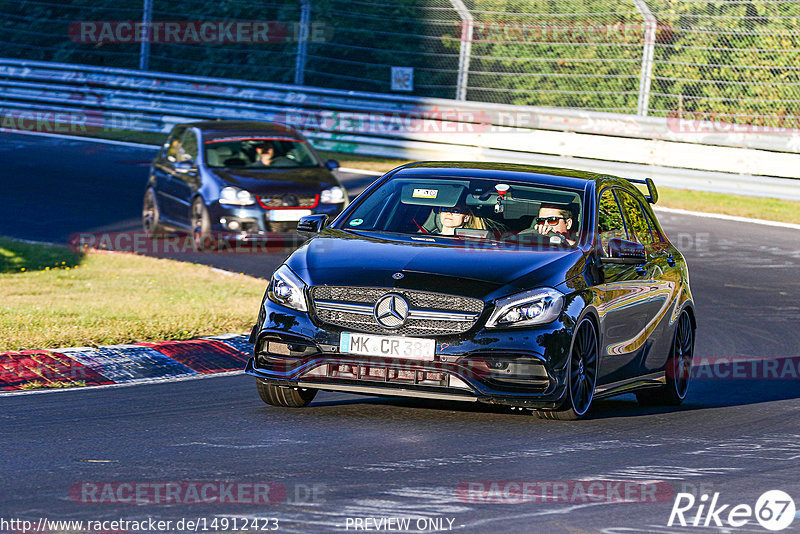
284	397
678	370
150	215
581	375
201	227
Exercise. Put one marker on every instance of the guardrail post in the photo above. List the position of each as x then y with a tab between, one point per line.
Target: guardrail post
646	77
465	50
144	49
302	42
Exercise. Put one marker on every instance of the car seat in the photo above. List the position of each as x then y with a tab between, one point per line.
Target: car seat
216	156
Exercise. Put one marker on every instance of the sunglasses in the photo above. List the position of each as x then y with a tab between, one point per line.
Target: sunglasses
456	210
552	221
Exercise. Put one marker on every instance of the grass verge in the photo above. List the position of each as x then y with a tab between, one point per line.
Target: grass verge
771	209
104	299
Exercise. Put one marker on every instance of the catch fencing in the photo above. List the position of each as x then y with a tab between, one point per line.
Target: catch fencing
731	61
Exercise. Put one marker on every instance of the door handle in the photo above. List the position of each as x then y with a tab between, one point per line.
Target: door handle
640	270
671	260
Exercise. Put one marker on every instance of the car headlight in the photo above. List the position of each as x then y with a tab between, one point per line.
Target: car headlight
287	289
538	306
236	197
334	195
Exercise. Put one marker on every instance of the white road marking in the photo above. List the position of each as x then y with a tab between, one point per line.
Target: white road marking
272	443
361	171
722	217
485	458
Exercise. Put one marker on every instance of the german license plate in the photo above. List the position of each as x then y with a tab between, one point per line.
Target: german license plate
287	215
411	348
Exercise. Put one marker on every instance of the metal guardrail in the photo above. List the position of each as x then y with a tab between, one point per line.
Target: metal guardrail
692	155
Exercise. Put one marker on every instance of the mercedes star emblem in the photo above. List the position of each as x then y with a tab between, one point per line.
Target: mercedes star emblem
391	311
398	276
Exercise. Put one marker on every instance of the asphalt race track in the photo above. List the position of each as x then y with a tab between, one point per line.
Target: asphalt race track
348	457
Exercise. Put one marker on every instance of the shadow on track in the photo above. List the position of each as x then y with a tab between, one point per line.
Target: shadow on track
704	394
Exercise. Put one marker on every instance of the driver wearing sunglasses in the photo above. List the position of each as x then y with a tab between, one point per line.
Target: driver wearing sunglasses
556	220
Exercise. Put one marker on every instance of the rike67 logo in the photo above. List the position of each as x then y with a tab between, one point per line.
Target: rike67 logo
774	510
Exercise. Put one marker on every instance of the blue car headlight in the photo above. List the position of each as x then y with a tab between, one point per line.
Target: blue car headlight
537	306
236	197
288	289
334	195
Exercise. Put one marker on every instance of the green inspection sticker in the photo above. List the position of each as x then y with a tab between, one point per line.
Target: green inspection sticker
356	222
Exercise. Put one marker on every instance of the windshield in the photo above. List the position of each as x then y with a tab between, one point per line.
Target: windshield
259	153
472	209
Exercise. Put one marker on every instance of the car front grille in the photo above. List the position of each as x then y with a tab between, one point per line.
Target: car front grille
289	201
430	314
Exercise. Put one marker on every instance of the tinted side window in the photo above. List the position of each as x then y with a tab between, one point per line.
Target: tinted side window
174	143
188	150
636	221
658	237
610	223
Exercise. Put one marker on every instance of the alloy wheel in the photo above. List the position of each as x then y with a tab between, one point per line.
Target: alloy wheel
682	353
583	367
149	214
198	222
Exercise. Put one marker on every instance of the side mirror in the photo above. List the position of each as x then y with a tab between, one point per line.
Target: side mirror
312	224
184	166
332	164
626	252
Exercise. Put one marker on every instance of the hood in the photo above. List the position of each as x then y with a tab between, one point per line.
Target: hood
274	181
336	258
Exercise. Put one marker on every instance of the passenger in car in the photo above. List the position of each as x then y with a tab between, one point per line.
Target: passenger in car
556	220
268	155
459	216
174	150
264	153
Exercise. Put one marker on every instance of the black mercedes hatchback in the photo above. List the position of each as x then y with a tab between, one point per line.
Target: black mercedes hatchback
237	180
533	287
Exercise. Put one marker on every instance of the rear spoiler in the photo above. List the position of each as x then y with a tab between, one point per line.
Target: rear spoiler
652	196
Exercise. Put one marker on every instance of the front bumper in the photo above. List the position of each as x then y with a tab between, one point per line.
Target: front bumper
517	367
253	222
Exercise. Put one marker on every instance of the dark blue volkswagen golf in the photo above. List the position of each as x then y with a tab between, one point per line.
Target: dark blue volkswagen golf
533	287
237	179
